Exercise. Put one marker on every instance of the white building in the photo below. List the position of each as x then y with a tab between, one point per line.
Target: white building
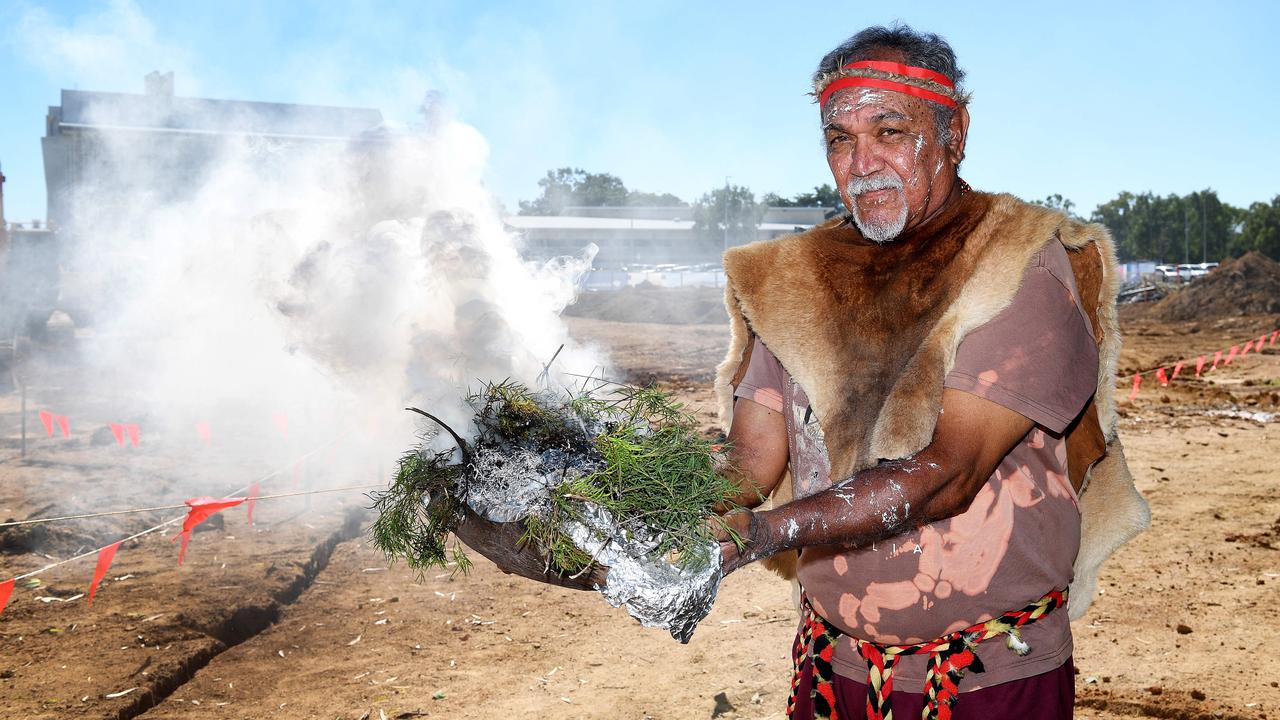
641	235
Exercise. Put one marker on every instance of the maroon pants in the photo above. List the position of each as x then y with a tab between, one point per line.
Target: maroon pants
1050	696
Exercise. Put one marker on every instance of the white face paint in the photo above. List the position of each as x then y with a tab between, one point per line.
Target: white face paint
864	98
878	231
868	132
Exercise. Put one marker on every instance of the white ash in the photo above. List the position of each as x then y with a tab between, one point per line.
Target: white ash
510	484
654	591
1258	416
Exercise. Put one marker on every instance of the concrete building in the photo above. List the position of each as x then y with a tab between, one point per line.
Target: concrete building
806	216
628	236
27	261
169	141
105	152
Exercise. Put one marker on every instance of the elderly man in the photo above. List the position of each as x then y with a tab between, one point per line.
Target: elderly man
935	369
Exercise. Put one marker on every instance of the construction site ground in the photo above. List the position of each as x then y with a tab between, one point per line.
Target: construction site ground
297	617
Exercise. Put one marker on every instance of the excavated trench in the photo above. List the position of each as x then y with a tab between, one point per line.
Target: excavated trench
242	622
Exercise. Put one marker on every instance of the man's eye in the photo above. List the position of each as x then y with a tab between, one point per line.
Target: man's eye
837	139
890	131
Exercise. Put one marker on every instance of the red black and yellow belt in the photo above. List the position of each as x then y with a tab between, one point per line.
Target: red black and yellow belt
949	657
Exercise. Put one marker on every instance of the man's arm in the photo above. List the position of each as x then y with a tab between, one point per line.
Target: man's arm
971	438
757	453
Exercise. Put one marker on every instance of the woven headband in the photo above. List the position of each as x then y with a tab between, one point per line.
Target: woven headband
915	81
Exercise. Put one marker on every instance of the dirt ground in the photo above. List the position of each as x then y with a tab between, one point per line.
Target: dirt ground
296	617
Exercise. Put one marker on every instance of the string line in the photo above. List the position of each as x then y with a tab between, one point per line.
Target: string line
37	521
1208	356
171	521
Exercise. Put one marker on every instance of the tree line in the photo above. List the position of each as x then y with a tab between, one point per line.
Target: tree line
1172	228
1189	228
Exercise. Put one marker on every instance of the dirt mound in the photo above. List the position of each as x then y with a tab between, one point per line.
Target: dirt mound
649	304
1247	285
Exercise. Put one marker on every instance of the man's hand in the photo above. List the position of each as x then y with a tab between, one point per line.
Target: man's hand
739	522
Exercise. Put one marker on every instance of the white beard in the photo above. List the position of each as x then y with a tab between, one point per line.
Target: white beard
880	232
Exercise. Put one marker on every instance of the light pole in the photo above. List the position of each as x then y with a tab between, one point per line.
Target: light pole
726	212
1186	252
1204	238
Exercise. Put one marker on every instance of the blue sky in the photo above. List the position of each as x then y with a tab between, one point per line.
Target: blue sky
1084	99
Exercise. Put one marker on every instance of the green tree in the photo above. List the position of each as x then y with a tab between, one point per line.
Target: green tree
727	216
575	187
1172	228
636	198
1115	215
822	196
1260	228
773	199
1215	224
569	187
1059	203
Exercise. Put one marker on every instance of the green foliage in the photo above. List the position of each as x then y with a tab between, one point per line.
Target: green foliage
575	187
1260	229
727	216
416	514
659	472
636	198
1057	202
654	472
823	195
559	551
1171	228
509	413
1187	228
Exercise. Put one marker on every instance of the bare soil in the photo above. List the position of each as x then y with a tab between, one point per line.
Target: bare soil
1247	285
650	304
297	617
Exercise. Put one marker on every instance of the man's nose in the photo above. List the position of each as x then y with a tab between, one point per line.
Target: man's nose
866	161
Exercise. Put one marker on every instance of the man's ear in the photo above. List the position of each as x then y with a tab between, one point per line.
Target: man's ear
959	133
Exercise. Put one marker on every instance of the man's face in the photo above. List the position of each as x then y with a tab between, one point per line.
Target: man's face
890	167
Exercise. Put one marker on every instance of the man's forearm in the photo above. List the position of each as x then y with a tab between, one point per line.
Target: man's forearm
972	436
875	504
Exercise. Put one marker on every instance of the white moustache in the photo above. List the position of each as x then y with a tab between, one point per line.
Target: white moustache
886	181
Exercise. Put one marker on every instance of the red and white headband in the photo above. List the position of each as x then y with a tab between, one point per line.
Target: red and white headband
915	81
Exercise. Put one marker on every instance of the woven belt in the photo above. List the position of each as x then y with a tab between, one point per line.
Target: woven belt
949	657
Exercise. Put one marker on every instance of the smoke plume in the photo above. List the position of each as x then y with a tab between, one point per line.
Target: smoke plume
327	283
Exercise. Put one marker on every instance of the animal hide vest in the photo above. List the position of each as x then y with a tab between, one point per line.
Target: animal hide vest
870	331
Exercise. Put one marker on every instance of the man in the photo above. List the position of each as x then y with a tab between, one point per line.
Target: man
936	370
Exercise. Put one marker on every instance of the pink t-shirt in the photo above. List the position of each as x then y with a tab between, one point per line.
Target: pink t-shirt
1019	537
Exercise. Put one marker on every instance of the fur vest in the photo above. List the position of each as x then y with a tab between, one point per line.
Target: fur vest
871	330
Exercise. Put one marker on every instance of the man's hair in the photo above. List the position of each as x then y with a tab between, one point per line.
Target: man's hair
925	50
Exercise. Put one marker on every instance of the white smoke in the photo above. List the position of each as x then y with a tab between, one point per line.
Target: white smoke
113	43
331	283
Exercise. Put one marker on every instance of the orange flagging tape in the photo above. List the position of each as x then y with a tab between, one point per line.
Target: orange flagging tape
1235	351
201	509
105	556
